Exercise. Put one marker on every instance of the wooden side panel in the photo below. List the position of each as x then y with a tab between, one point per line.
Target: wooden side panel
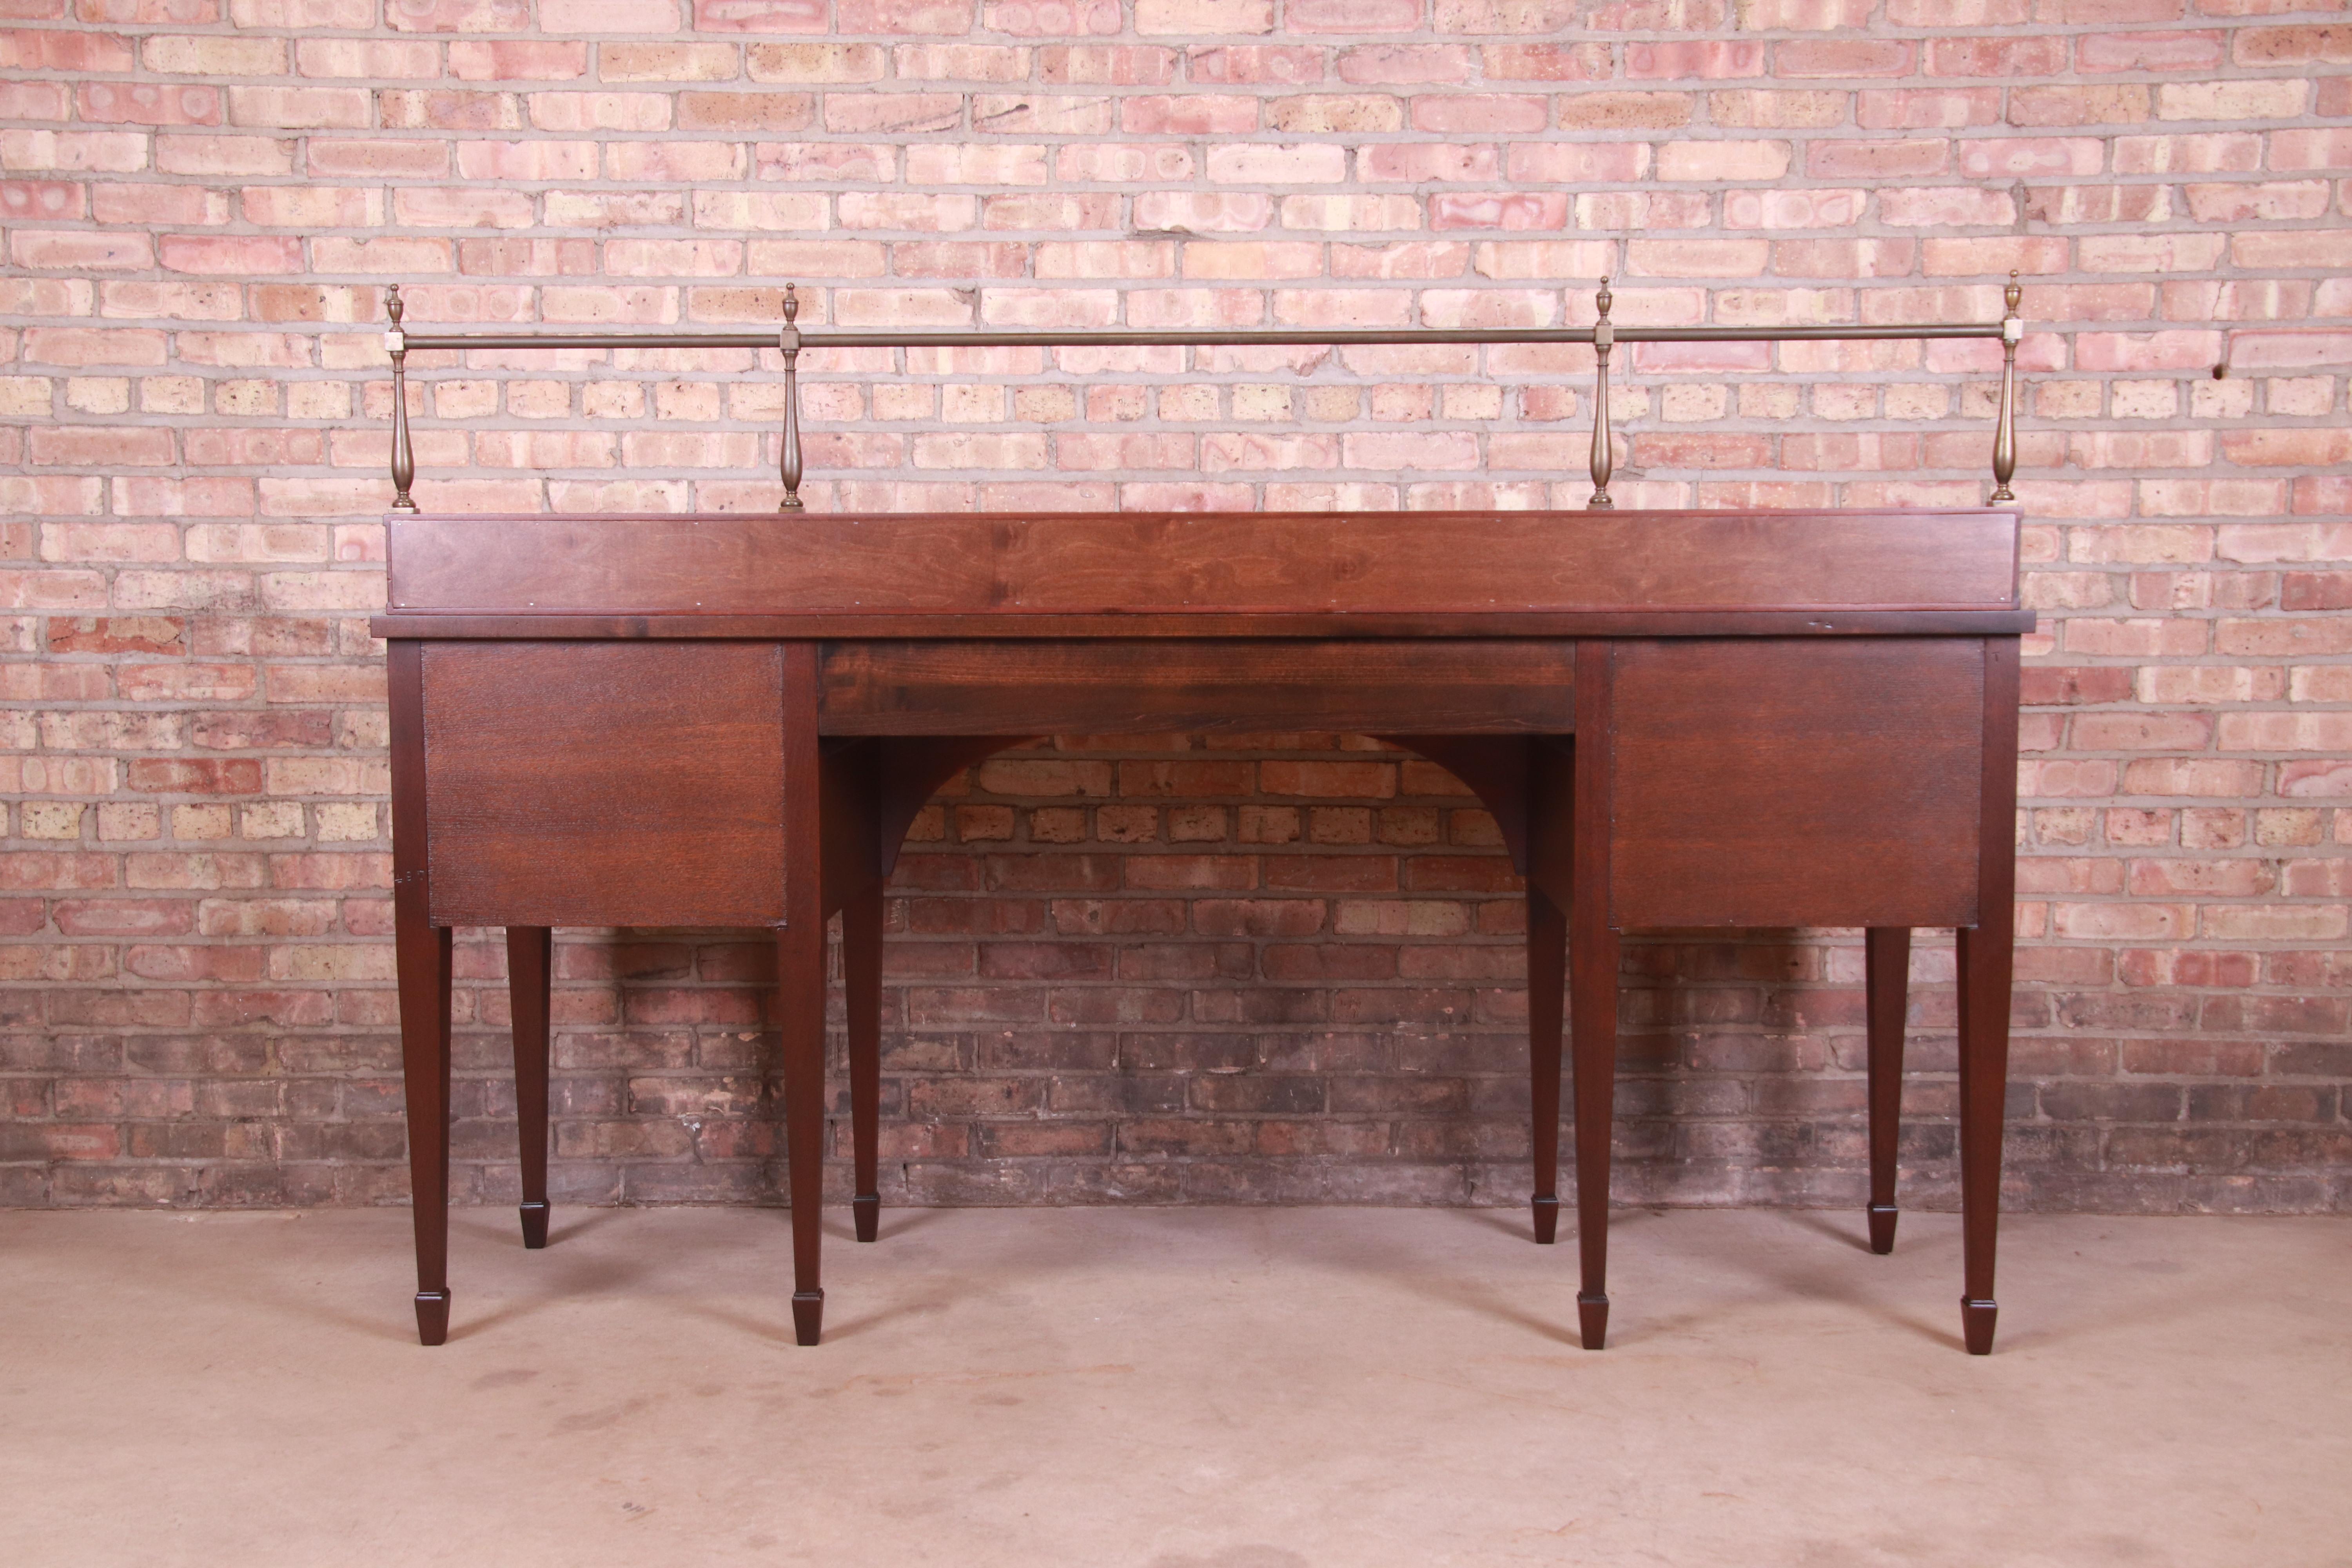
1481	563
1108	687
613	783
1782	783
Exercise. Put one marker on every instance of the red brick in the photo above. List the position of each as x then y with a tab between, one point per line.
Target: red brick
1623	110
1519	210
1927	109
1846	58
2165	51
768	111
1199	17
460	15
65	49
1112	65
1288	65
904	16
1480	114
1352	15
149	103
760	16
2013	57
1196	114
517	60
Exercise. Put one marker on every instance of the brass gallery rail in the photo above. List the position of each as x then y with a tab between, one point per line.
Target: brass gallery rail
1604	335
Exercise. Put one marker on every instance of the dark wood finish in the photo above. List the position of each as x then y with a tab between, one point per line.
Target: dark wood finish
1354	627
1593	962
1099	687
604	784
849	787
1550	871
422	952
1896	707
1986	955
1887	966
1738	756
861	977
1779	783
1497	769
910	771
1547	995
529	974
799	980
1136	562
1551	818
850	803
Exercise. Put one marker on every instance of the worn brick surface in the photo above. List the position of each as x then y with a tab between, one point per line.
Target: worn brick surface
1169	968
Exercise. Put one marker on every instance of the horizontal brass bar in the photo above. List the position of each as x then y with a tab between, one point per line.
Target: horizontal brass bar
810	340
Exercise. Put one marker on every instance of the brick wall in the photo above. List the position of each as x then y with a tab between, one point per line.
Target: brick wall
1165	967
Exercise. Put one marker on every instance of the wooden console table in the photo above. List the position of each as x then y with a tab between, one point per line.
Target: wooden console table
1679	719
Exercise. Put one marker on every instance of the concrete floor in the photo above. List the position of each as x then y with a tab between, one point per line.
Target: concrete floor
1163	1388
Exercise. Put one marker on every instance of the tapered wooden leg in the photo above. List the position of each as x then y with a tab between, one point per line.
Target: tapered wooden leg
800	984
1985	962
861	972
422	955
1986	956
1546	982
1886	957
1592	1010
1592	967
421	960
800	980
530	955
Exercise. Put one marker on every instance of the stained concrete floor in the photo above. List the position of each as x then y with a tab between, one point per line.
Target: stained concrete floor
1302	1388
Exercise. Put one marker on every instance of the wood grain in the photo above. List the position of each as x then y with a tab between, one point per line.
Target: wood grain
861	987
422	954
1780	782
604	783
1107	688
1356	625
799	972
1886	988
1987	954
1595	956
531	970
1140	563
1547	1015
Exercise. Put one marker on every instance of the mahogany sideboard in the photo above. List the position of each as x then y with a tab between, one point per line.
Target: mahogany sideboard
1678	718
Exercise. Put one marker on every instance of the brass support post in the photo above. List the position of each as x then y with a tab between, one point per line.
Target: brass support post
403	456
1604	455
2004	436
788	339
